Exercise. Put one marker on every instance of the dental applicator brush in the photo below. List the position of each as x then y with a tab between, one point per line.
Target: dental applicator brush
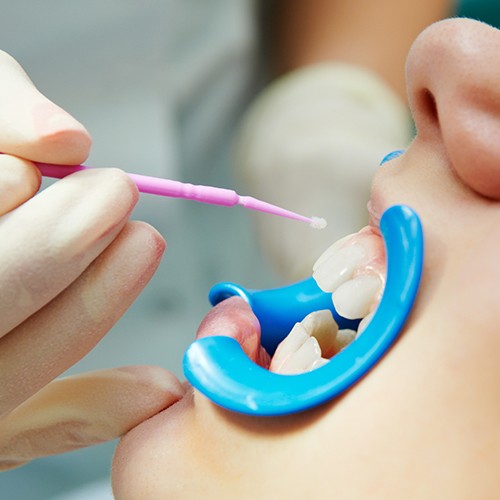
177	189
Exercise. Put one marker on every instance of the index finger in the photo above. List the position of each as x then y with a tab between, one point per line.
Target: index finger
32	126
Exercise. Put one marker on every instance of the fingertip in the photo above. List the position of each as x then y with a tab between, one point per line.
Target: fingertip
85	409
163	387
61	138
33	126
145	242
153	240
149	390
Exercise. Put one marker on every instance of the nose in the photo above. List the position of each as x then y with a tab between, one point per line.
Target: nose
453	76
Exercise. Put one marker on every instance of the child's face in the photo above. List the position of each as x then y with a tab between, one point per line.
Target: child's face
425	421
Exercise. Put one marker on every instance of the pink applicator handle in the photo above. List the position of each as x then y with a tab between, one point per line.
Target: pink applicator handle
177	189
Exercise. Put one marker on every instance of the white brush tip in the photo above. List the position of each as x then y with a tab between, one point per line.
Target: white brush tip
318	223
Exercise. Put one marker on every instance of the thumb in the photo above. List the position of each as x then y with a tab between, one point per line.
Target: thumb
83	410
33	127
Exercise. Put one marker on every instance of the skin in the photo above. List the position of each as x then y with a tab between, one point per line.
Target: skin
424	422
70	265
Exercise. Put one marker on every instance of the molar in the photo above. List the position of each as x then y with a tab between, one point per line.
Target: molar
322	326
344	338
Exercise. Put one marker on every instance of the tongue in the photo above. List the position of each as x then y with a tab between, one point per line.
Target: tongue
234	318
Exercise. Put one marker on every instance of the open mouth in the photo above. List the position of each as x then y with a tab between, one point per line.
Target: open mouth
353	270
374	275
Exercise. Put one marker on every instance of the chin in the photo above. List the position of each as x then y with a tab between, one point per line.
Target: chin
146	458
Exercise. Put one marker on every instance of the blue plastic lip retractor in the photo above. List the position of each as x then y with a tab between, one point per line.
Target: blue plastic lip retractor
218	367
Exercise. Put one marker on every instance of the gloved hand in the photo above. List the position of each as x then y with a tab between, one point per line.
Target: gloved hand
311	143
70	265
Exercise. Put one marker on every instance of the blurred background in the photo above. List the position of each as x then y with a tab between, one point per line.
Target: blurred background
160	85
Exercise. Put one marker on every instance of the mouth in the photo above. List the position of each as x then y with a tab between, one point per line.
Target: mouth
354	271
354	277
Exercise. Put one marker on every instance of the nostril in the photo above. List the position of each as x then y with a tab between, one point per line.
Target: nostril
429	106
425	111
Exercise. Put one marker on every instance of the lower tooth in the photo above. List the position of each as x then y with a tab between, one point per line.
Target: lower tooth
345	337
303	360
288	347
322	326
355	298
303	347
310	344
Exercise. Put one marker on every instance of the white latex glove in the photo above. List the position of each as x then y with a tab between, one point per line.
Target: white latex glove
311	143
70	265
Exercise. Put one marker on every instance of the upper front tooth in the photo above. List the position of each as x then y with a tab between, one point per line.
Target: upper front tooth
337	266
330	250
355	298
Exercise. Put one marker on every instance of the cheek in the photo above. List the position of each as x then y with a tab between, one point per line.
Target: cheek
471	139
475	290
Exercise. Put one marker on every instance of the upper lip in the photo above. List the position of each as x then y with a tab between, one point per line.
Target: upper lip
373	213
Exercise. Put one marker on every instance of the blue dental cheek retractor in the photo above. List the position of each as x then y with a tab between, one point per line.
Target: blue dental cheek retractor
218	367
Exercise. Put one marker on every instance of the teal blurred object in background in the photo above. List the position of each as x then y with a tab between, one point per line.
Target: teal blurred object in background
487	11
